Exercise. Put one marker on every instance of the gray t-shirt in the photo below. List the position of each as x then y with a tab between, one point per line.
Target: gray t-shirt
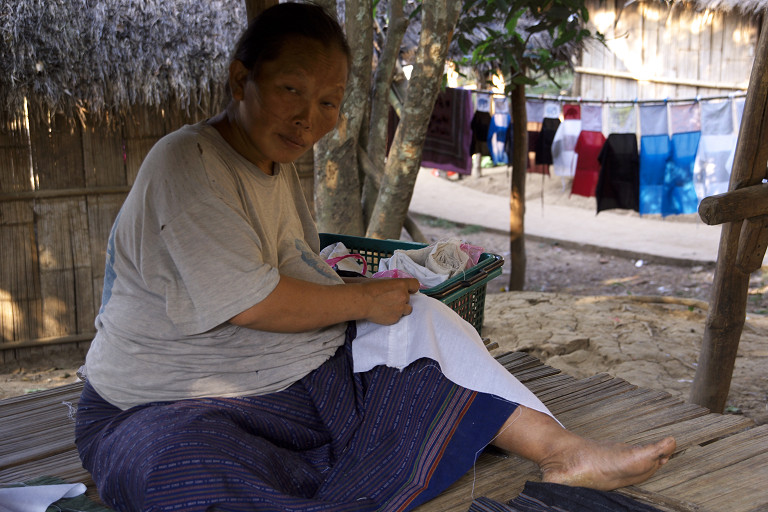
202	236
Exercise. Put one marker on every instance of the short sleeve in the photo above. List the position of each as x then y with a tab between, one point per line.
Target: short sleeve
217	268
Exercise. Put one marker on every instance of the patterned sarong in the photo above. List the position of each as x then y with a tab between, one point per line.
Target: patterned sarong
381	440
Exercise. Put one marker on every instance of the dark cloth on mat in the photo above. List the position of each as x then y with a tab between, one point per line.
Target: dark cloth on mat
381	440
549	497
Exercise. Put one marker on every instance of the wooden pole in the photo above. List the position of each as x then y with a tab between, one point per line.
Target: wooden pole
727	307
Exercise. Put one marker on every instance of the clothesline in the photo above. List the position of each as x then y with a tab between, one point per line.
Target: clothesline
578	99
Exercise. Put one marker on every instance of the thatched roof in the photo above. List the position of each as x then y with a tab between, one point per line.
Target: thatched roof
76	56
104	55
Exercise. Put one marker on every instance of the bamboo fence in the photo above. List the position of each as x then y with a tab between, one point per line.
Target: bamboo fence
61	186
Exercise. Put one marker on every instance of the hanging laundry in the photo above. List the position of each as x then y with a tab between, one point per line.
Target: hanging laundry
545	139
588	147
449	135
714	159
622	119
655	150
481	121
619	183
534	111
500	105
564	142
739	106
534	132
679	190
571	111
497	137
483	103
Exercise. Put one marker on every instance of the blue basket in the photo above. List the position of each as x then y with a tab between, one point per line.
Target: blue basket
464	293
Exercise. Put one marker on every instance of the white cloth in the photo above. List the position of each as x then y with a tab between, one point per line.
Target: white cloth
349	264
552	109
500	105
436	332
564	155
534	111
714	159
36	498
685	118
483	103
622	119
592	118
653	120
431	265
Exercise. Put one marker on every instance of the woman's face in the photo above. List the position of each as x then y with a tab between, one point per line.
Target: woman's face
290	104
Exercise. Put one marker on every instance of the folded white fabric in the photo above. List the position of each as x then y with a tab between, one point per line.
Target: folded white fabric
437	332
431	265
36	498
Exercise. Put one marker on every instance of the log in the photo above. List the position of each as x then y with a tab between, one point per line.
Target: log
735	205
753	242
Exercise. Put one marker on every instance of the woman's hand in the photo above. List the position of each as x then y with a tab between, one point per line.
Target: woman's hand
389	299
298	306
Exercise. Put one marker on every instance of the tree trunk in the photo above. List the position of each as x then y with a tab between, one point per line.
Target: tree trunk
254	7
517	194
337	181
376	144
439	19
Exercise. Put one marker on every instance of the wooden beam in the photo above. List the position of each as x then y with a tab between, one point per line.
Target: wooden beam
727	309
63	192
53	340
753	241
659	80
735	205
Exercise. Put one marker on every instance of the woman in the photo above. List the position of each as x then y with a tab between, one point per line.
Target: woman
221	375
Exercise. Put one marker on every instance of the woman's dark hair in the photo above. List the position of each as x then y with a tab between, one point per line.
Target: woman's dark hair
272	27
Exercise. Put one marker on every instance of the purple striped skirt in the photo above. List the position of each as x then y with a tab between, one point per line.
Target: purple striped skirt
335	440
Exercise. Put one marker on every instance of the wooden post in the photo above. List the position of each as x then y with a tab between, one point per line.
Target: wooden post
254	7
517	193
727	306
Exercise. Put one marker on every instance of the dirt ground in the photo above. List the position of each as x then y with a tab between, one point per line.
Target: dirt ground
582	311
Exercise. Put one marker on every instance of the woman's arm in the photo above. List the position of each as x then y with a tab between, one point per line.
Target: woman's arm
297	306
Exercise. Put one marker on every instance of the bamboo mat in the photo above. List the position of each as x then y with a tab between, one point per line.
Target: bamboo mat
721	463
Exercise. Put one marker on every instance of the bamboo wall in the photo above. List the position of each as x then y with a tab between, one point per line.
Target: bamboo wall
675	51
61	186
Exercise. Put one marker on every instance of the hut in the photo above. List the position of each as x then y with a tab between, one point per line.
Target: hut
87	88
657	49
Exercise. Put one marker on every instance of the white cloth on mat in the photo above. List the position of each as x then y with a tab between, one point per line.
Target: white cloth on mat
36	498
436	332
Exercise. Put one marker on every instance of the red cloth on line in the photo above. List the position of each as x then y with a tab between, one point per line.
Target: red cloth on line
588	147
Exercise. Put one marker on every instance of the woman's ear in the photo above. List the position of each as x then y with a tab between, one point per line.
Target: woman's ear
238	76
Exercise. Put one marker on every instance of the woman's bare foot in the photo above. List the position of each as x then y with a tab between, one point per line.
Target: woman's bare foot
606	466
567	458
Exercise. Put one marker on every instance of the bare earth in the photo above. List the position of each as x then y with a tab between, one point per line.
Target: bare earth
584	312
